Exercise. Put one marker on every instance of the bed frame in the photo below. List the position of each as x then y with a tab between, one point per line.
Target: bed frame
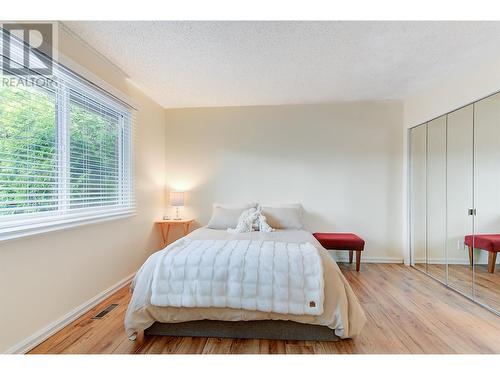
252	329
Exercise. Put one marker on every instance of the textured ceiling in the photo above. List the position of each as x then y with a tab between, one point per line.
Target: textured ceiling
191	64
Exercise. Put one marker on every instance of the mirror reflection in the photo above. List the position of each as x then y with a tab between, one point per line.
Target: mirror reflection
459	159
486	239
418	148
436	198
455	200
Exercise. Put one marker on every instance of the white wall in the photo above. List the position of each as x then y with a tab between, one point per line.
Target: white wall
342	161
44	277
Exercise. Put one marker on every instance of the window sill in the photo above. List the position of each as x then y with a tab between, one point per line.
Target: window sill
30	229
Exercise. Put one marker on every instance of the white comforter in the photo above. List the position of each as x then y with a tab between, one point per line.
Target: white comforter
266	276
341	309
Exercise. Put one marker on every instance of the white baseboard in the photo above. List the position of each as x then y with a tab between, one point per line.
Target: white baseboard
345	258
451	261
44	333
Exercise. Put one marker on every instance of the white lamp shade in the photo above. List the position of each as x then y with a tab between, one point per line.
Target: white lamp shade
177	198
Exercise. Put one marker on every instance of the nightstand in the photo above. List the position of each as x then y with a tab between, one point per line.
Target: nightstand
165	225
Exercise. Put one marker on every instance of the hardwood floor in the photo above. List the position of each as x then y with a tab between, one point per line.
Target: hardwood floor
407	312
487	285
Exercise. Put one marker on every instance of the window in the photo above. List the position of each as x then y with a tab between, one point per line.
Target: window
65	155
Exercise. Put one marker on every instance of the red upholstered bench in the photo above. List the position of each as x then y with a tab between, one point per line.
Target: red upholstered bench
343	241
488	242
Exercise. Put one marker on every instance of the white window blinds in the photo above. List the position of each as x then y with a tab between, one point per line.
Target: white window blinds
65	153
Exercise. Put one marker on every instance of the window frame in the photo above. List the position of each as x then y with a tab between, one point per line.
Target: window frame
26	224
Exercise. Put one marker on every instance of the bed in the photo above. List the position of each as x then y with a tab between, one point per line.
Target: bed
341	313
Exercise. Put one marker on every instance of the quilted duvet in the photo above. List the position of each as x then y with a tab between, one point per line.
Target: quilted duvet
267	276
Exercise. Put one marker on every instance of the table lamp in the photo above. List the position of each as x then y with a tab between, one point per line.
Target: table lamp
177	200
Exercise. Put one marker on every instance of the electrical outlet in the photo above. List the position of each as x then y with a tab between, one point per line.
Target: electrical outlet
459	245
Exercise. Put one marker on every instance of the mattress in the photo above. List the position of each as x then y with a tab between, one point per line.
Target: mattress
341	309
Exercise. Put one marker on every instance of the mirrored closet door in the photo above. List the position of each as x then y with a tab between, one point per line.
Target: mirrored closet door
487	201
436	198
459	199
418	235
455	200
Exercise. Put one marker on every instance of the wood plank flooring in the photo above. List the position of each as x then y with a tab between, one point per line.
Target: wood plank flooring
486	285
407	311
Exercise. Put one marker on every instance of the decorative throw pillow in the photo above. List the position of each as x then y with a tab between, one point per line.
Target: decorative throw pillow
263	225
250	220
246	221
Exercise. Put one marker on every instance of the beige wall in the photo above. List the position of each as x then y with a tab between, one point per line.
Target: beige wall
447	93
44	277
341	161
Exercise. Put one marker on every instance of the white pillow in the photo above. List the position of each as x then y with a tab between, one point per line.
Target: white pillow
284	216
226	216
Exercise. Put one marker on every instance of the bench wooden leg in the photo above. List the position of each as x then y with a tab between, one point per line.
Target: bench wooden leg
492	259
358	260
350	256
471	256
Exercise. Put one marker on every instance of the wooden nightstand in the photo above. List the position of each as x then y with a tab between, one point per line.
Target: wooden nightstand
164	226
